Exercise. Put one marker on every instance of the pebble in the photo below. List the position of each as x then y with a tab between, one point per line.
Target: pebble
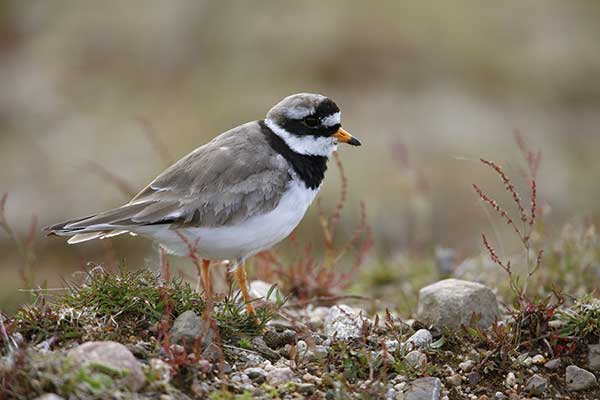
538	359
454	380
416	359
187	327
279	375
594	357
536	385
344	322
258	375
400	387
511	379
306	389
420	339
466	366
579	378
424	389
553	364
113	355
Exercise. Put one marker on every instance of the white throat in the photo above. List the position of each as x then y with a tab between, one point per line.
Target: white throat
307	145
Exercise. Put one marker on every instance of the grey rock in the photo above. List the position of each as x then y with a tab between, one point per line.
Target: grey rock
258	375
424	389
454	380
187	328
416	359
594	357
344	322
49	396
276	340
553	364
536	385
420	339
450	303
579	379
466	365
279	375
306	389
113	355
511	380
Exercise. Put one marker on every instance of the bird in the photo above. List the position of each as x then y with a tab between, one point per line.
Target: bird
239	194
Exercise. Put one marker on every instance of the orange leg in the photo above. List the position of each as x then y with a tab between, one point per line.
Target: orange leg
240	274
205	279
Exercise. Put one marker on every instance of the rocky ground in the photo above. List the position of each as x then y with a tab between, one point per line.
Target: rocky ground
129	335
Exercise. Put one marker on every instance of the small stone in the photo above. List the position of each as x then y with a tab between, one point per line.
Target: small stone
579	379
278	376
451	303
113	355
344	322
302	347
424	389
454	380
416	359
466	366
257	375
499	396
511	380
276	340
553	364
49	396
474	378
306	389
538	359
161	371
320	351
400	387
420	339
188	327
594	357
536	385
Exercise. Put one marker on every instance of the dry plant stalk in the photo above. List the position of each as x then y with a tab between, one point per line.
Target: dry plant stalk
527	221
25	246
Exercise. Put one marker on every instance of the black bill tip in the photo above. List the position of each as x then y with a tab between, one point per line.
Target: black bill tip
354	142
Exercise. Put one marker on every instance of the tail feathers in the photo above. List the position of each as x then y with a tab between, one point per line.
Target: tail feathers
84	237
105	224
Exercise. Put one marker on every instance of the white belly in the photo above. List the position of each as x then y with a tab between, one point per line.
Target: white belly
257	233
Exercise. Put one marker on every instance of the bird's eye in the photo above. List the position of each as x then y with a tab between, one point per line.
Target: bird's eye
311	121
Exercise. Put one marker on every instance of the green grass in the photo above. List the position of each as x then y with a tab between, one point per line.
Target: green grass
123	304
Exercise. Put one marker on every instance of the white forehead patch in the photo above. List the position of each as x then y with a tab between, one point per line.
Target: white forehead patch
299	112
308	144
332	120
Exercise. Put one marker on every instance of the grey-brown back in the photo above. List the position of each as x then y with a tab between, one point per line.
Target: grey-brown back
231	178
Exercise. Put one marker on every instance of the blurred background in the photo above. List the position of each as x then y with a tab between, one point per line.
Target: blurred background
97	98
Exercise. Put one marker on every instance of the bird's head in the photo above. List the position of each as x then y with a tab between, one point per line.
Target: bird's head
309	124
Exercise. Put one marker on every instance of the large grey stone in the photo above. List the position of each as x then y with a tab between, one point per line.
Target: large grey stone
451	303
188	327
579	379
112	355
424	389
594	357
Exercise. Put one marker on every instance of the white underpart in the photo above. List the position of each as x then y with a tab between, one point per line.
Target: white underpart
308	144
333	119
236	242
